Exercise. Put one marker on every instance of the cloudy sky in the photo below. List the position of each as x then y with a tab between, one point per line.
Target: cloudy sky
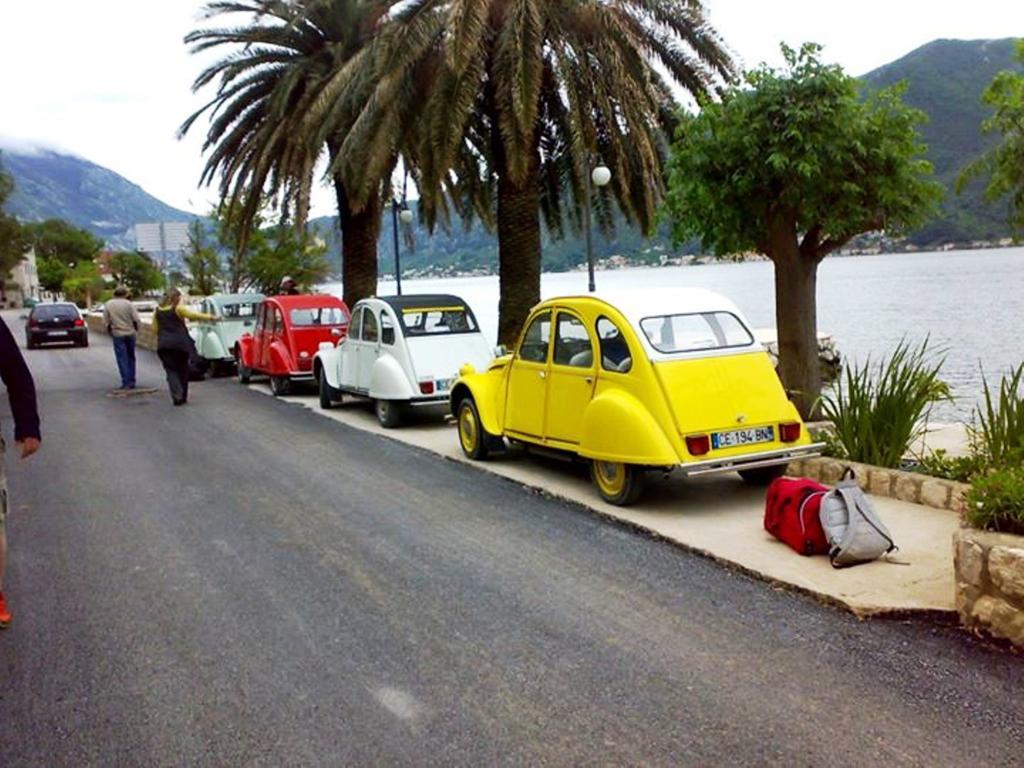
109	80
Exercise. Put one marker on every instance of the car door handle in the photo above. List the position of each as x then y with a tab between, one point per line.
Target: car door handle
589	379
542	374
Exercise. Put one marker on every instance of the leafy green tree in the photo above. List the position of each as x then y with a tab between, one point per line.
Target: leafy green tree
1003	165
258	141
501	108
52	273
82	282
202	261
13	243
57	239
282	251
794	165
136	271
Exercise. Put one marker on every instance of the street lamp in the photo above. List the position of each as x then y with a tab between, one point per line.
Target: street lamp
600	176
399	211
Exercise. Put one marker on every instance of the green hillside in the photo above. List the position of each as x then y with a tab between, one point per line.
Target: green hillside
945	79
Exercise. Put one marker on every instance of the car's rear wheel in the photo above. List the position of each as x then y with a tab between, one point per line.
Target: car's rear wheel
83	342
280	385
244	371
762	475
619	484
389	413
473	438
329	396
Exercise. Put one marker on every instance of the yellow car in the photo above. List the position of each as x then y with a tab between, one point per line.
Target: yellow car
663	380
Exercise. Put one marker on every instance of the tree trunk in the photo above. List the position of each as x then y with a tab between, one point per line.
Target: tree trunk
359	232
518	253
796	277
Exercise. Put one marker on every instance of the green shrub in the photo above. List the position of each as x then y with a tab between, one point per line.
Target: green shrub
998	433
940	464
880	411
995	501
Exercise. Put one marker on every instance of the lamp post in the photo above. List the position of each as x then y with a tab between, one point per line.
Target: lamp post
398	211
600	176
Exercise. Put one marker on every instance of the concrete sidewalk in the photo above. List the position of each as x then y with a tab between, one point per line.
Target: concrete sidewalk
720	517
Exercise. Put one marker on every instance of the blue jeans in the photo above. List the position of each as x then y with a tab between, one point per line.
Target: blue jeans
124	351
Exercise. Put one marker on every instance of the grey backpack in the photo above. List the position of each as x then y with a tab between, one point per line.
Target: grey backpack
854	531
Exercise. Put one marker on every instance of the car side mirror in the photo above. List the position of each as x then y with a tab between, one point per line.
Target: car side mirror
500	351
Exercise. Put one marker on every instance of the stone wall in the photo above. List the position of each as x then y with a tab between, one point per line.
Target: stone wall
146	338
892	483
989	570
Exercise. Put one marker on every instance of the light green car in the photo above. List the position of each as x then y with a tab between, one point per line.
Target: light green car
217	342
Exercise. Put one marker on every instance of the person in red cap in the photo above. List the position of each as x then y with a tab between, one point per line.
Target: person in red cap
21	391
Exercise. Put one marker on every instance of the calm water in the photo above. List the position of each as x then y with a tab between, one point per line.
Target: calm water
971	303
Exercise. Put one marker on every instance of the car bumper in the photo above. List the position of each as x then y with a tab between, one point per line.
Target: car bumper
76	335
751	460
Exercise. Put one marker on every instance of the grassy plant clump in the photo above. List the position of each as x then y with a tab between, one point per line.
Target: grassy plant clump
995	501
960	468
997	436
879	411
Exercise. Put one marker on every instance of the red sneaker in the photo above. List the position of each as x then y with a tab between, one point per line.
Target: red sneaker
5	615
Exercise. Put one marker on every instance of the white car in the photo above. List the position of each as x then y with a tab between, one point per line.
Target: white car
401	351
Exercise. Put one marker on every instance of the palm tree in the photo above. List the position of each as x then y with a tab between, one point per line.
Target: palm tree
506	104
256	140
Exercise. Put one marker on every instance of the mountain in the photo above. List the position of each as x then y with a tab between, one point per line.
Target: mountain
945	79
49	184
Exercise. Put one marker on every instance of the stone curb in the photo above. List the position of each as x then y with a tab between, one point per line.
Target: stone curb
911	487
989	570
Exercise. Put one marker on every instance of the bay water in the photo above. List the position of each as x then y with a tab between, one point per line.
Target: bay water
969	304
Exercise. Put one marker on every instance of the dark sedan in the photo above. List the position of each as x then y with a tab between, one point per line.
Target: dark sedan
53	323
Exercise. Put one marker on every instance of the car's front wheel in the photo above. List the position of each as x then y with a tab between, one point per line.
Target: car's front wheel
244	371
762	475
329	396
474	439
619	484
280	385
389	413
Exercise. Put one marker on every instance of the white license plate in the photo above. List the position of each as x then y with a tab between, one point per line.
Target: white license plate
742	437
56	333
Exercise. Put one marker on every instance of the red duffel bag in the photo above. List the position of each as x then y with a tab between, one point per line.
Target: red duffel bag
791	514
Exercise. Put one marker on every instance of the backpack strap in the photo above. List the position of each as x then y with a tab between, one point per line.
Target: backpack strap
869	516
804	503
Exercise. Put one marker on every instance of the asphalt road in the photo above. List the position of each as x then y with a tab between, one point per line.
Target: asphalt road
240	581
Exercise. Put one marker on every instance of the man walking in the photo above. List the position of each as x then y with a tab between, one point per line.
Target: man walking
122	321
21	391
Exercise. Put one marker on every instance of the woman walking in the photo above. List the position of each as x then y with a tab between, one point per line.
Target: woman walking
173	344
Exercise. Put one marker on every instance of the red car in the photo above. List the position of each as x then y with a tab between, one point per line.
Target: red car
288	331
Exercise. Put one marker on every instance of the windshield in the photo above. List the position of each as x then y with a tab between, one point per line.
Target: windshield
700	331
318	316
435	321
238	311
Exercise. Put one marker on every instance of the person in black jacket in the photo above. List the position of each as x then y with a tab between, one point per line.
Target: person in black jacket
21	391
173	344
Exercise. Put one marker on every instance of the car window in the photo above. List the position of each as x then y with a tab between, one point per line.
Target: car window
572	342
698	331
278	322
238	311
356	325
312	316
615	354
55	312
261	320
387	328
369	326
432	321
535	341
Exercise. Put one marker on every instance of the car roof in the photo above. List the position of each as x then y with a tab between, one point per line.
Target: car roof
307	301
654	302
422	301
220	299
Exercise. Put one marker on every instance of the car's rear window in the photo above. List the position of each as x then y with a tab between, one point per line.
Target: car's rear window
434	321
54	312
695	332
318	316
238	311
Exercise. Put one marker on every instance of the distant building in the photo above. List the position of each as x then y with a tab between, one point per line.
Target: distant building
22	283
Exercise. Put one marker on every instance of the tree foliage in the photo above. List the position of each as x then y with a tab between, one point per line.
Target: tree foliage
794	164
1003	166
60	247
12	236
202	260
135	271
82	282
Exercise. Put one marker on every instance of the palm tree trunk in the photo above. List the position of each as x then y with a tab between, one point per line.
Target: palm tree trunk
796	279
359	232
519	253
